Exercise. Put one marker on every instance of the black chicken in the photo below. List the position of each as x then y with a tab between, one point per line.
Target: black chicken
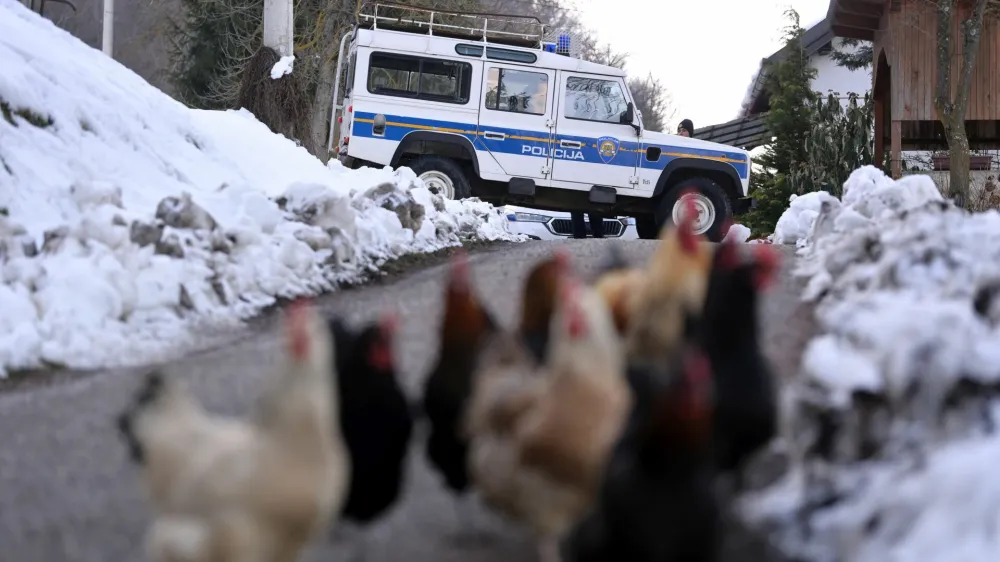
746	414
657	499
375	417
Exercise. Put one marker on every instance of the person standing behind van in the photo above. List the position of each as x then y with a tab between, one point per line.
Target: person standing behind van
686	128
580	226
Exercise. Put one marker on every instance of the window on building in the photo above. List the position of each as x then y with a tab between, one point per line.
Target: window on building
594	99
517	91
419	77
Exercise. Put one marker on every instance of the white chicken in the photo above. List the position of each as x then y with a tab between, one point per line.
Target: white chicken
228	490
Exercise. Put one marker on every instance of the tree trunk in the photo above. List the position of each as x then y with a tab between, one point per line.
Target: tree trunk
958	149
951	105
337	13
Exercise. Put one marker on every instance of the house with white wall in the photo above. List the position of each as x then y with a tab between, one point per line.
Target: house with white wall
748	129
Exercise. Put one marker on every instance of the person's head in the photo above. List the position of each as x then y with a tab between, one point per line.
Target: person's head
686	128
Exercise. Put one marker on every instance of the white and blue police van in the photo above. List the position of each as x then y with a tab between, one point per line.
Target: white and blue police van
505	116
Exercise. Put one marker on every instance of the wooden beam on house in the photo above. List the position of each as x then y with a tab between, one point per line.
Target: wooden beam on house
861	7
853	33
867	23
879	156
896	149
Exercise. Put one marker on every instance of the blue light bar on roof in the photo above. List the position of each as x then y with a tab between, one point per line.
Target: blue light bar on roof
563	46
549	47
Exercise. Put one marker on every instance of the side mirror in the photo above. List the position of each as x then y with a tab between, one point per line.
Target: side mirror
628	118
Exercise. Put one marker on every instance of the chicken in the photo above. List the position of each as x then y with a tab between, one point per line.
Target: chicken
538	301
375	417
228	490
540	439
464	329
657	499
746	396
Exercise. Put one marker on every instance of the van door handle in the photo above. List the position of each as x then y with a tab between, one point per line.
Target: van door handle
570	144
493	135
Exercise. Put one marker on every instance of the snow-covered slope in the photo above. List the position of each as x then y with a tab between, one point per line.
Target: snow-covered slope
894	445
128	221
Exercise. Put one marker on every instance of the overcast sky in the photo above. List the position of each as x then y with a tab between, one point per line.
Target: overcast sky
705	52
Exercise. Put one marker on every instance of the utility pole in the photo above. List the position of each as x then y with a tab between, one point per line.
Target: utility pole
108	25
278	26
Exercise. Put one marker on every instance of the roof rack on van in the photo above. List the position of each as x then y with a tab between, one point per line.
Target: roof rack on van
520	31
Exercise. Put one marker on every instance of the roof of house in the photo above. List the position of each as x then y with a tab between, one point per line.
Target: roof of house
744	132
814	40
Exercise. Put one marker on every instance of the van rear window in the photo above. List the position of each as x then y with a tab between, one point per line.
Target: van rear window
423	78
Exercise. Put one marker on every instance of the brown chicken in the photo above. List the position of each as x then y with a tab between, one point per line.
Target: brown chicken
228	490
652	305
540	439
464	329
538	301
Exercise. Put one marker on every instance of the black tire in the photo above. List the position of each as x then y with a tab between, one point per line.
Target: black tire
446	166
646	227
711	191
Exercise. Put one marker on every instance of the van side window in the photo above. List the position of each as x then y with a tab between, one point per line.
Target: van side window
419	78
517	91
593	99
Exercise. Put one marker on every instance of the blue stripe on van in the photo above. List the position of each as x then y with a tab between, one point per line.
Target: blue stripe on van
539	143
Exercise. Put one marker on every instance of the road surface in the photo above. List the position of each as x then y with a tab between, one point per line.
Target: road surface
67	492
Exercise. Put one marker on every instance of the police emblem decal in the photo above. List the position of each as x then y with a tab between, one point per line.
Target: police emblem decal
607	148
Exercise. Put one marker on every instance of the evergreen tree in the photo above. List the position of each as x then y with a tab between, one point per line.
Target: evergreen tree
860	58
788	83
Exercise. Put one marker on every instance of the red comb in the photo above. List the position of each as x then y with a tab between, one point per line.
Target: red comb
728	258
576	322
389	323
561	257
459	280
298	332
768	263
688	240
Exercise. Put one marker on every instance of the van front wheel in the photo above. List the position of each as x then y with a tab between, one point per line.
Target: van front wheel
442	176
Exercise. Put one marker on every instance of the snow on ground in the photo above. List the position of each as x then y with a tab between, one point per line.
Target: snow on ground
129	222
891	426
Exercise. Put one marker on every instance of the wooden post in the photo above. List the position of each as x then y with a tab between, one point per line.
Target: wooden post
896	149
278	26
879	131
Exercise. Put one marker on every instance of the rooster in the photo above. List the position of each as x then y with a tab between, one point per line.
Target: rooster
375	417
660	302
746	400
657	500
539	439
465	326
228	490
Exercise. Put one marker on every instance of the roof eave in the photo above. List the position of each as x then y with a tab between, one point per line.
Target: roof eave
856	19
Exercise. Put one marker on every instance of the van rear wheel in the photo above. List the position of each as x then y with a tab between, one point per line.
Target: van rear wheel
710	202
442	176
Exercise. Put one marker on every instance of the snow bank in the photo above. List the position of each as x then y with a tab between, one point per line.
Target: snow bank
129	222
891	426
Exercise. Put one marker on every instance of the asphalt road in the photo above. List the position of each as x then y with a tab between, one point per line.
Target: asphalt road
68	494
